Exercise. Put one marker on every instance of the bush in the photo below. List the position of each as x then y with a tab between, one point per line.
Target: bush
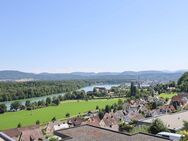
54	119
125	127
157	126
185	125
37	122
19	125
67	115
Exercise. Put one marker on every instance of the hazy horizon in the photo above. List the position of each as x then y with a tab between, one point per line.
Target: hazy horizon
93	36
170	71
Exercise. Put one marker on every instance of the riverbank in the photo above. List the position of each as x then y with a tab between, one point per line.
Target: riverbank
36	99
44	115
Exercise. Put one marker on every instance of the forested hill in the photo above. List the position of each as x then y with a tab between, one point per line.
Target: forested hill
183	82
142	75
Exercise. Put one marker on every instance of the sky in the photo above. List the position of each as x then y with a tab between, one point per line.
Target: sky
93	35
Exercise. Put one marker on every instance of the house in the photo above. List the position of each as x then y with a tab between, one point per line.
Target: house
174	122
100	89
30	133
167	109
61	126
95	120
76	121
120	115
14	133
180	100
133	116
92	133
50	126
109	121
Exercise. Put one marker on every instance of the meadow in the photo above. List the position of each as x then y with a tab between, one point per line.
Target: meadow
44	115
167	95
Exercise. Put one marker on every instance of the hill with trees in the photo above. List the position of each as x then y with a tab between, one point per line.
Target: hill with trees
183	82
127	75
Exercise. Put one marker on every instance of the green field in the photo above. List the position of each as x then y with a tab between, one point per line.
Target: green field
11	119
167	95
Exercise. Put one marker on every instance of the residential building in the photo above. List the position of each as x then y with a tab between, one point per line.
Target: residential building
92	133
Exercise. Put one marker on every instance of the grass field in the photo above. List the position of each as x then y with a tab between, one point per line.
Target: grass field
11	119
166	95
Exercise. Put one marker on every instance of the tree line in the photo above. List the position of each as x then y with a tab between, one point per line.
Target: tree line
10	91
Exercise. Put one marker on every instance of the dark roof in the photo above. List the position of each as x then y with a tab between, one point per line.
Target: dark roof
4	137
92	133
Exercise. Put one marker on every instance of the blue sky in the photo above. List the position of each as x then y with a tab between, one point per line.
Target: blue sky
93	35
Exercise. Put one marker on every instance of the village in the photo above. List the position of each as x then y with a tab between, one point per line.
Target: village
132	116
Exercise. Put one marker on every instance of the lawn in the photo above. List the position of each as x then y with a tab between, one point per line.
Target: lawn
44	115
167	95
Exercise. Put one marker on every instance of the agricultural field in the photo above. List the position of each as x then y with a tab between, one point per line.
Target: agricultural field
44	115
167	95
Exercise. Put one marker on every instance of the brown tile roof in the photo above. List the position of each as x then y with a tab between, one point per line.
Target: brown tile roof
26	133
91	133
33	133
93	121
109	119
135	116
76	121
13	133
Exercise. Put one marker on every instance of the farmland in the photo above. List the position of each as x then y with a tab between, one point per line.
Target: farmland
44	115
167	95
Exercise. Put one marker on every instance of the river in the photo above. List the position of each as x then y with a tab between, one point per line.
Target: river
36	99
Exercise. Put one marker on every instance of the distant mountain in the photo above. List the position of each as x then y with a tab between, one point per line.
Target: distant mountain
13	75
127	75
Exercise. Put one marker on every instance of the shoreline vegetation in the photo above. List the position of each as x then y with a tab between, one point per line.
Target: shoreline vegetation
16	91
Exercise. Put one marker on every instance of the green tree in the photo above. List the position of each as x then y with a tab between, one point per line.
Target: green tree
101	115
120	101
157	126
67	115
48	101
185	125
3	108
56	101
54	119
15	106
107	109
28	103
37	122
19	125
125	127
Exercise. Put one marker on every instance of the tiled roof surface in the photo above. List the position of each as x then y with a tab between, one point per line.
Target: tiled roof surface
91	133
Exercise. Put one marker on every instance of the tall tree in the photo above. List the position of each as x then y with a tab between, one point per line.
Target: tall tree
3	108
15	106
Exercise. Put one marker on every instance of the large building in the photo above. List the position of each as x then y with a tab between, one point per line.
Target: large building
174	121
92	133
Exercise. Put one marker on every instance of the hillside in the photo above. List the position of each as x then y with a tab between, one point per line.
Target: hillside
127	75
183	82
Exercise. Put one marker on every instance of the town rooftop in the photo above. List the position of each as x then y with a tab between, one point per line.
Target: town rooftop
172	121
92	133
